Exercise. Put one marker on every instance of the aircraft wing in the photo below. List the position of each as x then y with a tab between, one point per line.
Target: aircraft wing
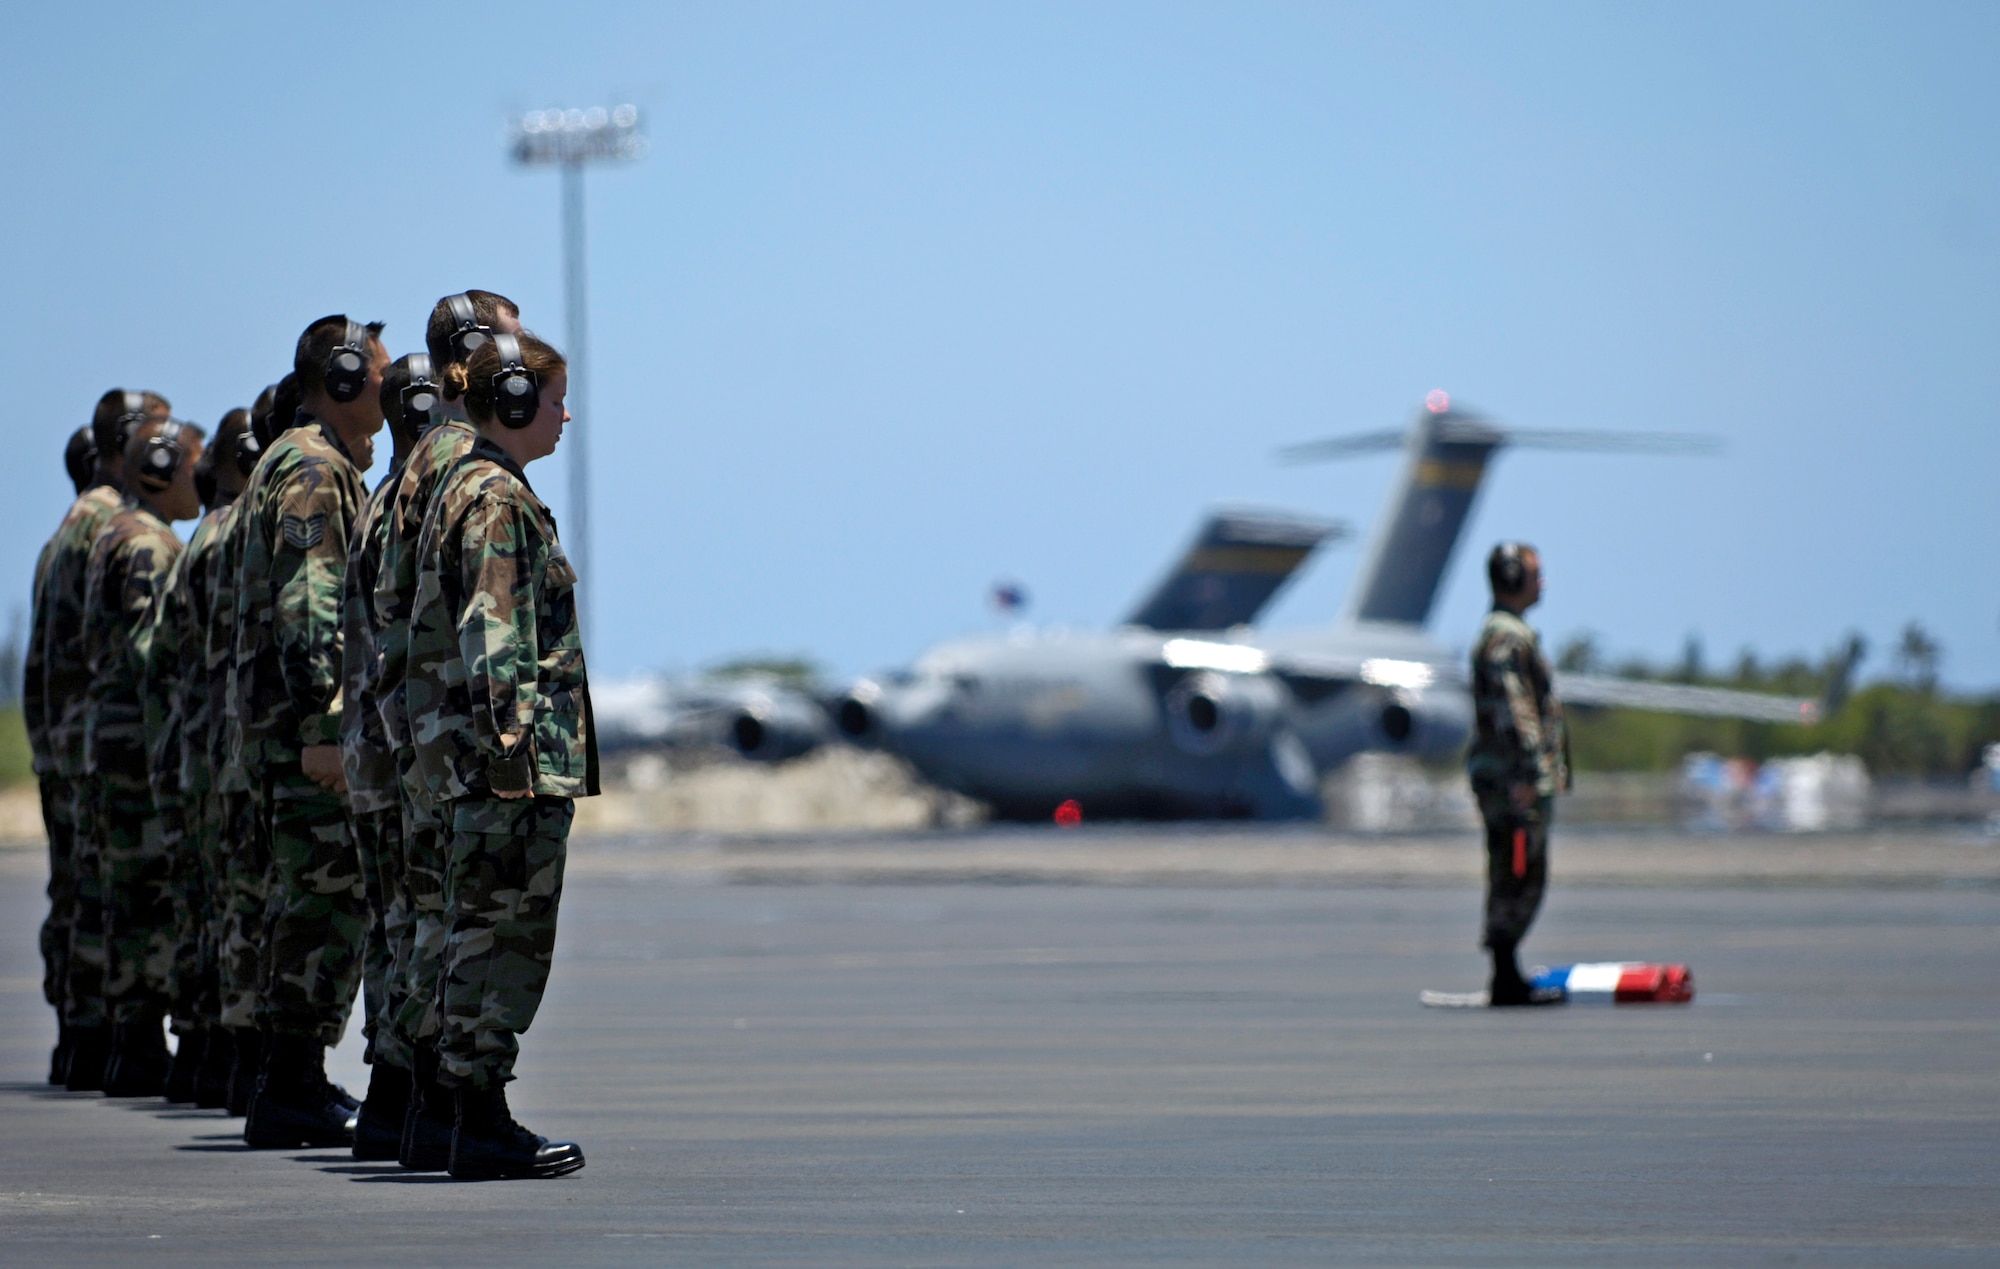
1680	698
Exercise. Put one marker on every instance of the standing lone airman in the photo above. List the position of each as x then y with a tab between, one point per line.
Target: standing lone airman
1518	762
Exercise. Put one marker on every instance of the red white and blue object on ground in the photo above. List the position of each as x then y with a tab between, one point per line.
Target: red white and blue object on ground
1591	983
1619	983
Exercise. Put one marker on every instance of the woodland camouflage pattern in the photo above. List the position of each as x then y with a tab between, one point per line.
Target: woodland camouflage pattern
420	952
504	887
1520	738
130	564
177	725
499	702
65	674
374	788
497	697
58	793
438	451
290	537
1520	741
364	744
299	511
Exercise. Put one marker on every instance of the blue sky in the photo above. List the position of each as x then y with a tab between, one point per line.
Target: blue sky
906	299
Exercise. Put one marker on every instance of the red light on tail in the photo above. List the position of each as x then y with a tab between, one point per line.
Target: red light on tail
1069	814
1437	401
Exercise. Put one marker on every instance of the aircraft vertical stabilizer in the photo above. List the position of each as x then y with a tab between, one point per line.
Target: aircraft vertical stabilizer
1236	563
1446	455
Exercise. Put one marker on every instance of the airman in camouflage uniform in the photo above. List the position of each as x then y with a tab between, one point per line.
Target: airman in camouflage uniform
374	787
58	799
178	725
129	566
499	706
458	324
63	673
298	514
246	854
1518	762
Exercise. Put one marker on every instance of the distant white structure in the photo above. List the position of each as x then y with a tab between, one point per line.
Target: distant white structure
1823	792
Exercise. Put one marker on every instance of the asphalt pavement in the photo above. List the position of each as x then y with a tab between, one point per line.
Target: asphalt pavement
803	1066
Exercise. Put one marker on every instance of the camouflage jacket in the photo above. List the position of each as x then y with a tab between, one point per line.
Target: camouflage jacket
33	708
1520	737
218	652
438	450
176	691
298	512
56	659
365	752
497	695
129	566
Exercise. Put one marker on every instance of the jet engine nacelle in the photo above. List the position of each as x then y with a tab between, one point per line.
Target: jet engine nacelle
857	716
1209	712
774	728
1423	723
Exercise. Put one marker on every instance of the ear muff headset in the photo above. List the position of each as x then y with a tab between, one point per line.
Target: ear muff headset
517	390
248	450
420	396
469	334
161	457
131	417
1507	567
347	366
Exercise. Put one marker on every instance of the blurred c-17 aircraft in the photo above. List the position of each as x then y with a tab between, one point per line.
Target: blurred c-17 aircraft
1185	712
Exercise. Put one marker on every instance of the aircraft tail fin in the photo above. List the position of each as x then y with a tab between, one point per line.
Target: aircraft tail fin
1447	452
1236	563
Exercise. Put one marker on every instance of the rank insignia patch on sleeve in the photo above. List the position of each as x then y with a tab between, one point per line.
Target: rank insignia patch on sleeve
305	532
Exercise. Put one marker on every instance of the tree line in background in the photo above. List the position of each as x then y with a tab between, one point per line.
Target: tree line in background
1901	724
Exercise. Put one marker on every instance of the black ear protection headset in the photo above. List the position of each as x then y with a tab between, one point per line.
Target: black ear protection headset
470	334
420	395
248	450
517	390
346	372
1507	567
161	456
131	418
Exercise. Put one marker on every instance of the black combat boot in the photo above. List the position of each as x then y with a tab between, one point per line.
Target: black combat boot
59	1059
139	1058
489	1146
89	1047
246	1064
187	1061
295	1106
1509	989
429	1119
211	1078
378	1129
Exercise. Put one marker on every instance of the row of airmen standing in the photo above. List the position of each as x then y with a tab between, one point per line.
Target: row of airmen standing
331	745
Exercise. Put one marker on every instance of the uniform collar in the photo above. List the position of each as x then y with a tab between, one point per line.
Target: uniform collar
326	430
493	453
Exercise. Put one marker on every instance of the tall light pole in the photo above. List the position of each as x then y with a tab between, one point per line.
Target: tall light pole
569	139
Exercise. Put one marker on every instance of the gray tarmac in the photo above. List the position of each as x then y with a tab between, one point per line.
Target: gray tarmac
1158	1055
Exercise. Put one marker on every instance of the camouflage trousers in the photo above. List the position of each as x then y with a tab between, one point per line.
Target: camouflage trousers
83	966
315	914
245	860
420	953
184	879
138	902
1517	866
378	842
198	895
503	884
59	823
